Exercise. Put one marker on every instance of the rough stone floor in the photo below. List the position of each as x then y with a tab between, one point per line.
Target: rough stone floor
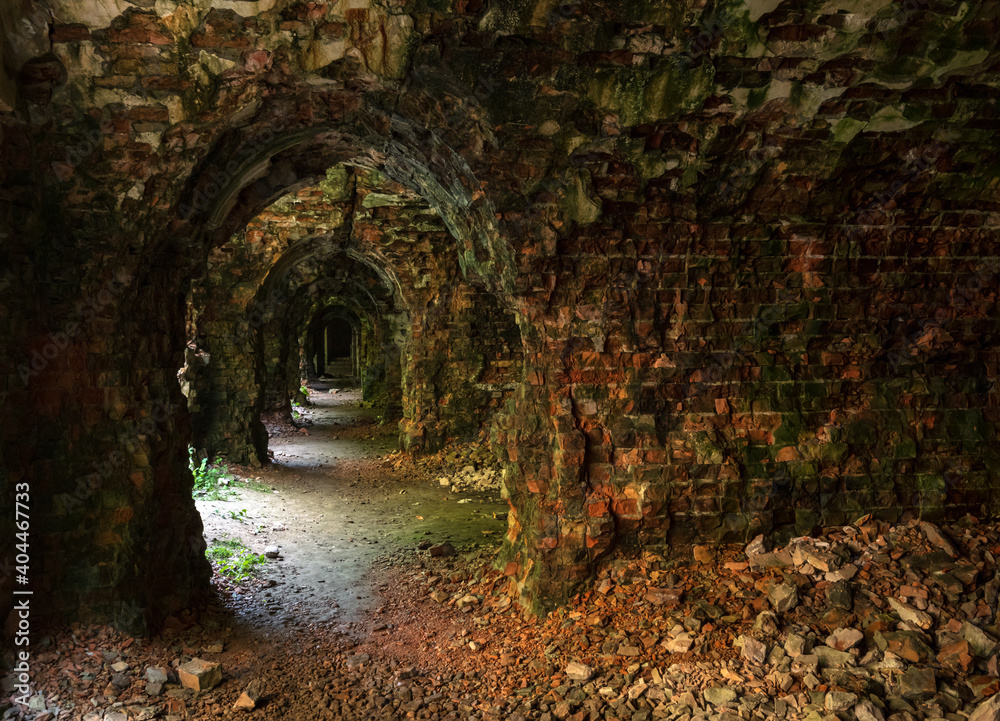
870	621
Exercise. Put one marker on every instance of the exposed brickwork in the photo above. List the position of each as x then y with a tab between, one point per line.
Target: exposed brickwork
750	257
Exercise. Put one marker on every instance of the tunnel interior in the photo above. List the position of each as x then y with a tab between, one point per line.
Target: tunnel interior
689	274
333	339
352	278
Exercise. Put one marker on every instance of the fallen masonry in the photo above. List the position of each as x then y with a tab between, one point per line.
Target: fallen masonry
720	650
469	479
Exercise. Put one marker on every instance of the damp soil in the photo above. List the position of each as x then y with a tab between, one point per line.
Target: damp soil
337	499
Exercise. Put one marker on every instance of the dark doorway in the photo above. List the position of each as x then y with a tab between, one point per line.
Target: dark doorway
339	336
334	340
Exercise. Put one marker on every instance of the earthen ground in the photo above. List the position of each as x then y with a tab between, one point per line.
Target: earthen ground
356	620
336	499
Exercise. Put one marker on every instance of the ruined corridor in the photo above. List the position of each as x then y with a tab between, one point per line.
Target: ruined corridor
624	301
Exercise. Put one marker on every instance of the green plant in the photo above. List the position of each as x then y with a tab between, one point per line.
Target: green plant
240	515
234	560
210	480
304	391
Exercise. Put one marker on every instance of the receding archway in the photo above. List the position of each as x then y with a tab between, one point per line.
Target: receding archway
333	344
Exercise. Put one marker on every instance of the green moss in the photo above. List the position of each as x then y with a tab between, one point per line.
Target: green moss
932	489
806	521
813	391
775	373
706	448
756	97
967	428
906	448
675	91
802	469
578	200
787	434
337	184
830	452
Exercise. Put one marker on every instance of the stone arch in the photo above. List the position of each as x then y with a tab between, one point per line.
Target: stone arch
253	166
177	244
261	372
305	293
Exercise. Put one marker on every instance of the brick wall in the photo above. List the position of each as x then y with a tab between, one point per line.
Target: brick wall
751	257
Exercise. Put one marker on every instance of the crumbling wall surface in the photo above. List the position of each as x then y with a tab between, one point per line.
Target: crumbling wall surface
750	251
461	352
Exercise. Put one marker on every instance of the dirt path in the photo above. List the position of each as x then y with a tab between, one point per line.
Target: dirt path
701	633
335	507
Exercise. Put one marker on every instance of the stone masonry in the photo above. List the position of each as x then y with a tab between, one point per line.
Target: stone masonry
703	270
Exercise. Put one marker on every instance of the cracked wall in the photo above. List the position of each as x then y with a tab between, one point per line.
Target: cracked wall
750	251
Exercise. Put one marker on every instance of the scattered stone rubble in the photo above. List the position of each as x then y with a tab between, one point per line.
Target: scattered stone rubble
869	622
469	479
98	674
462	468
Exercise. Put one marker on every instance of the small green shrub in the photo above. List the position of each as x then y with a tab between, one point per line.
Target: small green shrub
240	515
210	480
234	560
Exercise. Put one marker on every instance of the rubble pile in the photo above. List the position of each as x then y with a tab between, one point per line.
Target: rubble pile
469	479
870	622
98	674
461	467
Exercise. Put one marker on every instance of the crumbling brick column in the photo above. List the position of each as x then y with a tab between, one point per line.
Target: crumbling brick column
98	437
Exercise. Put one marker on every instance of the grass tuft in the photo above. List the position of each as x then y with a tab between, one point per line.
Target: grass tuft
234	560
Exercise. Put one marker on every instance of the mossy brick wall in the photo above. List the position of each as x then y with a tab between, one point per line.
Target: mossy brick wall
750	251
221	376
381	371
461	354
112	532
458	369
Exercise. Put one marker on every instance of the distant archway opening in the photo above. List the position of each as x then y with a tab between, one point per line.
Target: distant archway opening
334	341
